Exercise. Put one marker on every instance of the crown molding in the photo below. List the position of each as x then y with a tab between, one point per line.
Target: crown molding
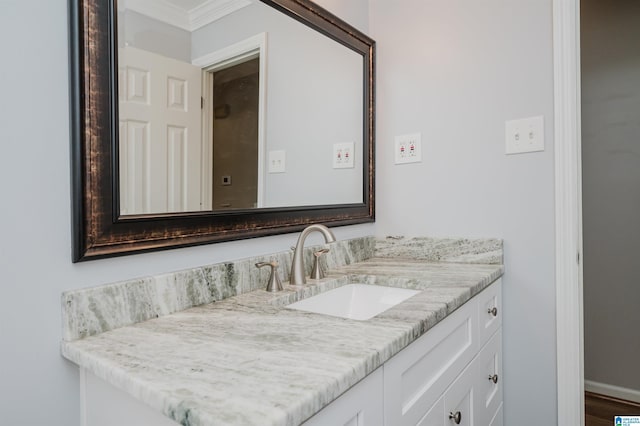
213	10
160	10
189	20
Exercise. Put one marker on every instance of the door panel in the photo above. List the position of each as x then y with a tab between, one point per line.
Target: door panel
497	419
489	379
490	311
459	400
362	405
135	182
164	94
417	376
435	416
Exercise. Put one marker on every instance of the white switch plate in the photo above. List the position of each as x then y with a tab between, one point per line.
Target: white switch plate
524	135
277	161
408	148
343	155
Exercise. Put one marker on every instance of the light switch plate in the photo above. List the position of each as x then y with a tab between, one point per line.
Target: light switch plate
408	148
277	161
343	155
524	135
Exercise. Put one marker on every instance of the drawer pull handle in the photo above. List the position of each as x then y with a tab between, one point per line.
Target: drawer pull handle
457	417
494	378
493	311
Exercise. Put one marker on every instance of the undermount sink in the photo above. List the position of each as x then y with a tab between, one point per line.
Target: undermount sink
354	301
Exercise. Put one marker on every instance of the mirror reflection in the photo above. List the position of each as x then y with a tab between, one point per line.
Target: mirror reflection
234	105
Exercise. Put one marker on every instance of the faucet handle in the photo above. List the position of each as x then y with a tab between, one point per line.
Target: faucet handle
317	273
274	279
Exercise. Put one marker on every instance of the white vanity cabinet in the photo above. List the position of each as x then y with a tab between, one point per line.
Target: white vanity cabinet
473	399
102	404
452	375
359	406
488	380
419	375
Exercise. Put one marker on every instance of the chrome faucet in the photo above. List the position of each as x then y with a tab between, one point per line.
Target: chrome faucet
297	276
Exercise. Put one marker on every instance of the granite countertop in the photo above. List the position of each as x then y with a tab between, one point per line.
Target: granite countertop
249	360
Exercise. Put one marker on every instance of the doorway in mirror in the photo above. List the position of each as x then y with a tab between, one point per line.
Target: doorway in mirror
233	124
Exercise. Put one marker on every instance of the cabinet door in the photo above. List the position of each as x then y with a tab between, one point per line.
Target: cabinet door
359	406
459	400
488	384
435	416
497	419
102	404
416	377
489	311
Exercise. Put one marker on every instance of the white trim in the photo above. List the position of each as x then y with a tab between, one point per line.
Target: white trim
262	120
206	155
568	198
160	10
213	10
189	20
233	53
83	397
613	391
228	56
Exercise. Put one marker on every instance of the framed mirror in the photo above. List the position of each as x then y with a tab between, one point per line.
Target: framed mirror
200	121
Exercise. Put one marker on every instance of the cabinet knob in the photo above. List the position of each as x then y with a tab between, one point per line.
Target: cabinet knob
493	311
494	378
457	417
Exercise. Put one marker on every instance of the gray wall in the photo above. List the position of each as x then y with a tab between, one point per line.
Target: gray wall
611	190
455	71
452	70
313	100
143	32
354	12
37	386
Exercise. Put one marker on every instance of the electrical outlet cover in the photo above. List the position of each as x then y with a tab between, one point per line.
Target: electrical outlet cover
277	161
343	155
408	148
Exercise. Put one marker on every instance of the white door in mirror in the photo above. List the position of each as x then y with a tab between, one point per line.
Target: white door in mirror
160	138
355	301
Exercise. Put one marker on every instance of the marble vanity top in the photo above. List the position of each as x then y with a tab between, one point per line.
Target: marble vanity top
248	360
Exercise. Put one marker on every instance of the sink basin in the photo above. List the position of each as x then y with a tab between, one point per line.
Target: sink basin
354	301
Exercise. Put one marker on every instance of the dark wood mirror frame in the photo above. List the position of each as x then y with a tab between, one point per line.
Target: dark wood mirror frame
98	228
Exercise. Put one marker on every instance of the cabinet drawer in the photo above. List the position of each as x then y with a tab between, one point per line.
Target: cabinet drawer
417	376
489	379
489	311
359	406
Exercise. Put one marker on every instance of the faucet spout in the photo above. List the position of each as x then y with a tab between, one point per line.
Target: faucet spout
297	275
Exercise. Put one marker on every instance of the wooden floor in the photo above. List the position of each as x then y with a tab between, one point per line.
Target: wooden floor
600	409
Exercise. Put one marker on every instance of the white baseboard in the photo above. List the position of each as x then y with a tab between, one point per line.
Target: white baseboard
613	391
